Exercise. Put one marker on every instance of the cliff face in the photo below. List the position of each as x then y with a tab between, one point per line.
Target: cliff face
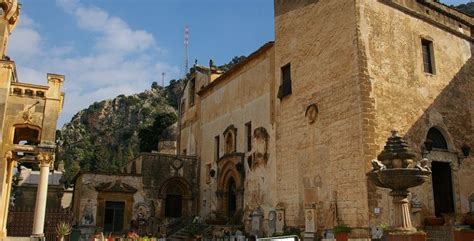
105	135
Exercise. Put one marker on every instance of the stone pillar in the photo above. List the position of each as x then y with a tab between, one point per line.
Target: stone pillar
6	189
402	219
45	161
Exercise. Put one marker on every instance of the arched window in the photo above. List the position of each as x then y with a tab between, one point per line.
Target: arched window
229	143
437	139
230	139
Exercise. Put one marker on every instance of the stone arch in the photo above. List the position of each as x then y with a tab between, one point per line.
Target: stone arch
444	134
26	132
172	190
229	175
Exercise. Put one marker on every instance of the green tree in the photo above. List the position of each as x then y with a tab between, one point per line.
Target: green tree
150	136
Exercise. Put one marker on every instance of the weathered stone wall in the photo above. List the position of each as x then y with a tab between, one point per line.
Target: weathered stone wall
86	197
402	96
160	172
243	96
321	162
190	127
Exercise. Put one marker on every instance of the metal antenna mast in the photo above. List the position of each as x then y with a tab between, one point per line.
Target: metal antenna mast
186	43
163	79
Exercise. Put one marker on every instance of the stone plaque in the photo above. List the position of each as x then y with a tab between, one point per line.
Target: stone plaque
271	223
310	222
257	218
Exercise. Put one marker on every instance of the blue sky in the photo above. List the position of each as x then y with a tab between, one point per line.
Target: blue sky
111	47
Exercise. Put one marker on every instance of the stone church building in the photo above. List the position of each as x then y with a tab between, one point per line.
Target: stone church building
286	137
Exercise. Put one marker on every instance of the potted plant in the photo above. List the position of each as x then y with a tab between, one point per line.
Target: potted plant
342	232
62	230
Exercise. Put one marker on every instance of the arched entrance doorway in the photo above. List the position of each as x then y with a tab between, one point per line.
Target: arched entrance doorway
441	175
230	191
176	196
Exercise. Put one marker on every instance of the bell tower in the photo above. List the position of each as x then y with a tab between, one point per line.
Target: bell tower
9	14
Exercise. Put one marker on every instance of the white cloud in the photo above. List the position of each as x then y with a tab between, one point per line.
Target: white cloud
122	61
114	33
25	40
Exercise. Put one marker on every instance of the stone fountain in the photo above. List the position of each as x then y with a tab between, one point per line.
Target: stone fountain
395	169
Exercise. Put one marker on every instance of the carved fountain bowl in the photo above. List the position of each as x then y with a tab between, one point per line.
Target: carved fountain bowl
399	178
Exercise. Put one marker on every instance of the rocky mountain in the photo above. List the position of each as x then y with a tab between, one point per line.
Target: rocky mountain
467	8
106	135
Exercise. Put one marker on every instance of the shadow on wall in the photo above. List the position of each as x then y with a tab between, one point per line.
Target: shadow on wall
454	104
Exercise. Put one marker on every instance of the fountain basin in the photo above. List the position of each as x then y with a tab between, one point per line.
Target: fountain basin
399	178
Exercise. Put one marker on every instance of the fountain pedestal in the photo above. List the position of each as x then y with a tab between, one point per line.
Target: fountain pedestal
402	220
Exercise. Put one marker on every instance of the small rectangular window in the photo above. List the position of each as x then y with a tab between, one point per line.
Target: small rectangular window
285	87
216	147
428	60
248	129
114	216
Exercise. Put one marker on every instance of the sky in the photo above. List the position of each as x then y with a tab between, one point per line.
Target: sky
110	47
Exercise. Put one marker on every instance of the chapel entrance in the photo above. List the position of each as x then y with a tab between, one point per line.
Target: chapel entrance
442	188
176	197
441	174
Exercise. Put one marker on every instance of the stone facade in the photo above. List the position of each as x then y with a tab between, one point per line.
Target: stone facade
358	69
28	115
143	188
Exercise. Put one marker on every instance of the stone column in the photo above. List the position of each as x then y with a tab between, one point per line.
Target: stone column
402	219
5	200
45	161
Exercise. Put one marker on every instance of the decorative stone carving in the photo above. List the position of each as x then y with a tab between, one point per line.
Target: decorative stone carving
27	116
87	215
117	186
10	12
312	113
142	213
260	154
176	168
45	159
